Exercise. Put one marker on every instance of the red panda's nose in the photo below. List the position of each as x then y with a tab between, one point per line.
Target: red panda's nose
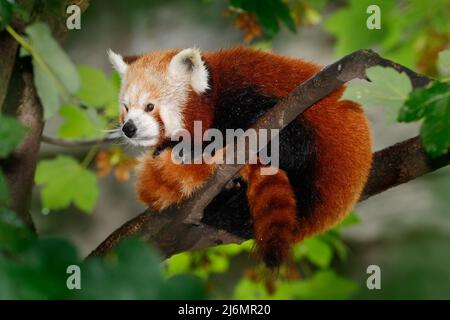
129	129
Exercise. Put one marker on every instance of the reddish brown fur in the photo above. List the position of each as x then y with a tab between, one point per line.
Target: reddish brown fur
342	138
273	210
343	135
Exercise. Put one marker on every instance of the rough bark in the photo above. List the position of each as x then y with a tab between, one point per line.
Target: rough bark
20	166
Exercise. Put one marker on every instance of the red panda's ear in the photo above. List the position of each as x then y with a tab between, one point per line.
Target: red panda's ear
188	65
117	62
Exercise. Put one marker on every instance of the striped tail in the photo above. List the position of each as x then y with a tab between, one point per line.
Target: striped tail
273	210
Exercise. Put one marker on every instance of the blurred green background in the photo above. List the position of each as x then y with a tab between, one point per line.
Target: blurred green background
405	230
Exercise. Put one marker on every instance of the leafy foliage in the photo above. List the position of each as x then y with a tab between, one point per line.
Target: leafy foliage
55	77
387	88
85	98
65	181
98	91
325	284
135	270
79	123
348	25
402	37
268	13
256	18
313	257
33	268
432	104
12	132
6	11
393	91
95	90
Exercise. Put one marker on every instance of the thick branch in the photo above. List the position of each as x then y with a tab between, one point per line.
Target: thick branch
399	164
179	228
8	52
19	167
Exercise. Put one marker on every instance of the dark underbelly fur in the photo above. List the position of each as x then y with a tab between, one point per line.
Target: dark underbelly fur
298	153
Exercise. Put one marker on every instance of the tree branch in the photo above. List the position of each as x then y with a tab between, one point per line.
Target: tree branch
180	228
82	142
19	167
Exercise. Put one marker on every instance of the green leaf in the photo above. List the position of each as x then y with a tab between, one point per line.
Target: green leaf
11	132
78	123
248	289
432	104
348	25
351	219
132	272
14	235
268	13
282	11
35	268
56	77
230	249
267	18
96	89
183	286
422	101
6	10
435	130
388	88
334	239
318	252
444	62
40	270
65	181
218	263
48	92
324	285
178	263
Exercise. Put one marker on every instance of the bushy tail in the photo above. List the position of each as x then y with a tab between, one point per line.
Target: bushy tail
273	209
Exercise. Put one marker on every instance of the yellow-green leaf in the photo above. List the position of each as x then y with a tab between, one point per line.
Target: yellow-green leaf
79	123
65	181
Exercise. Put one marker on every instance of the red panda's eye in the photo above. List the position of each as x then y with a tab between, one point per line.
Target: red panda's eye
126	107
149	107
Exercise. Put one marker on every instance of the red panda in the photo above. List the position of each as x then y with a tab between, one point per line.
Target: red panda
325	154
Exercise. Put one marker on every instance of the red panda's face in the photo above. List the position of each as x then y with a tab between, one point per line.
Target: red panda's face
154	92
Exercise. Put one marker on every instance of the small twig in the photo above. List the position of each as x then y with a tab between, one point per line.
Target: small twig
80	143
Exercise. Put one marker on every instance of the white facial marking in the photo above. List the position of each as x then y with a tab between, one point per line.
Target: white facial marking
129	95
144	98
117	61
172	118
147	133
186	72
